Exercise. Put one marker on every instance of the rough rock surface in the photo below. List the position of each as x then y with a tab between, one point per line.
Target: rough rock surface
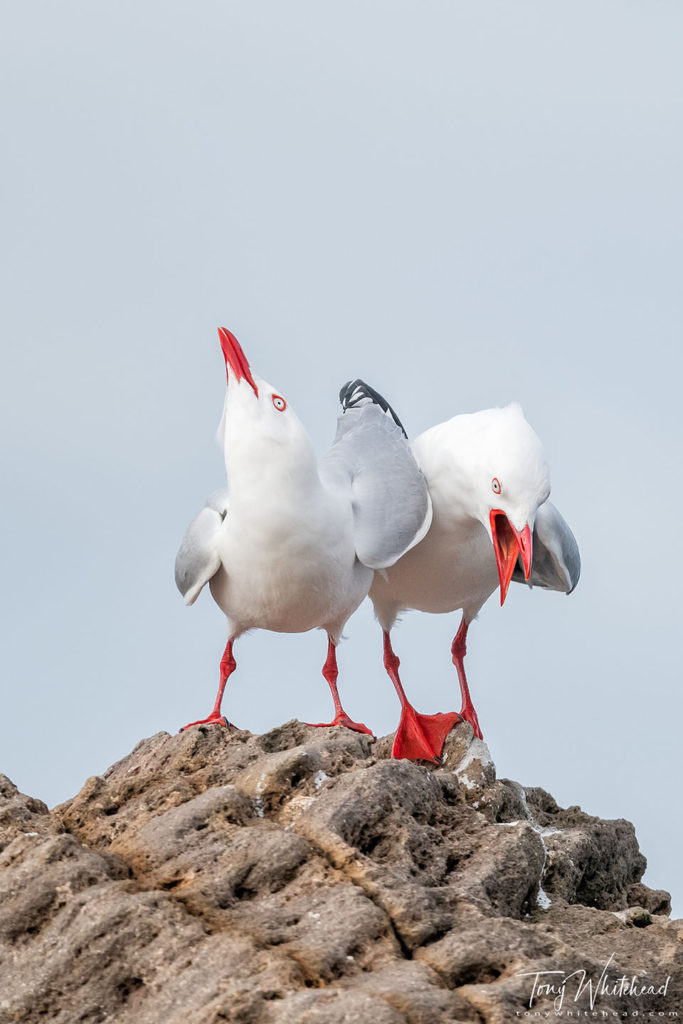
304	877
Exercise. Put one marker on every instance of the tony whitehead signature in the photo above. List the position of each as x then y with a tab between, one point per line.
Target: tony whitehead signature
579	986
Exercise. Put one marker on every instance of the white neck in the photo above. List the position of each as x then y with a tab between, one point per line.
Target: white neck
259	468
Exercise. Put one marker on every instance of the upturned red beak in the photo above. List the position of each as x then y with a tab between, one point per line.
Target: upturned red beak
235	358
509	544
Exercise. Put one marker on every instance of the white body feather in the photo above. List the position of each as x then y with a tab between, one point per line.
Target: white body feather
288	562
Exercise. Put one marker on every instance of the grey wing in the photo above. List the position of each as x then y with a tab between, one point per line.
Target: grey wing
198	559
556	564
372	461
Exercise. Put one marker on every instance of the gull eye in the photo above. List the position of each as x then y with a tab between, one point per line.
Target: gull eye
279	402
495	485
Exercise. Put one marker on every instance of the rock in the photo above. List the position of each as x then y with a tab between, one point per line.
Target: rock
305	877
657	901
417	992
21	815
270	779
335	1007
589	861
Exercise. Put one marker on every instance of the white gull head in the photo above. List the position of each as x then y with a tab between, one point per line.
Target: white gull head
491	466
259	431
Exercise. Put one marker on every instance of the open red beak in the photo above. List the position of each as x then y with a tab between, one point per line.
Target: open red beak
509	544
235	358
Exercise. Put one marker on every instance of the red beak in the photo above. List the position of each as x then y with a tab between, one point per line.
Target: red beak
508	544
235	358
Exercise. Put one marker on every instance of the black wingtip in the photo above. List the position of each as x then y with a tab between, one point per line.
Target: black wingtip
353	393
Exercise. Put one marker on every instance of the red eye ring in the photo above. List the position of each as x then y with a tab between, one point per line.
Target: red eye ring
495	485
279	402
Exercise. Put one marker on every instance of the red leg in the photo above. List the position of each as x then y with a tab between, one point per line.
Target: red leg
228	666
330	671
418	736
458	651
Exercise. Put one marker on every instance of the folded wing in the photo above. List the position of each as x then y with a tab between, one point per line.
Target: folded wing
198	559
372	461
556	562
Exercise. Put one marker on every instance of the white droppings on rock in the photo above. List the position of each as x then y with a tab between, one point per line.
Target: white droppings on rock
477	751
297	805
543	900
471	770
259	805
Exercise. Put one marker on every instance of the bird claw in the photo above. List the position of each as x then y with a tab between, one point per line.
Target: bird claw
213	719
342	719
421	737
468	714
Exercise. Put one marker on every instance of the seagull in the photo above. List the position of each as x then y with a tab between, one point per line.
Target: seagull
292	544
492	524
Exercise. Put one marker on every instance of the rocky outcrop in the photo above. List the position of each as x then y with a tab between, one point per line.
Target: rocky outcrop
304	877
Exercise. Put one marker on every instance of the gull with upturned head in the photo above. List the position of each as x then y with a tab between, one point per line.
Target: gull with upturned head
293	543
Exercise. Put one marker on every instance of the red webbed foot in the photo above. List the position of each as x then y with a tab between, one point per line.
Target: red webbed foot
421	737
341	719
213	719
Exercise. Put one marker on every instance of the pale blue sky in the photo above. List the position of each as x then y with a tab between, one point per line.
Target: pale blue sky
463	203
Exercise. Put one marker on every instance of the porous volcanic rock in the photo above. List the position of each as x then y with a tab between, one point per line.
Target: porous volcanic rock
305	877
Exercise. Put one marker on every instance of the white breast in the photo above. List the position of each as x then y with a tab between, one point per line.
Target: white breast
289	572
453	567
